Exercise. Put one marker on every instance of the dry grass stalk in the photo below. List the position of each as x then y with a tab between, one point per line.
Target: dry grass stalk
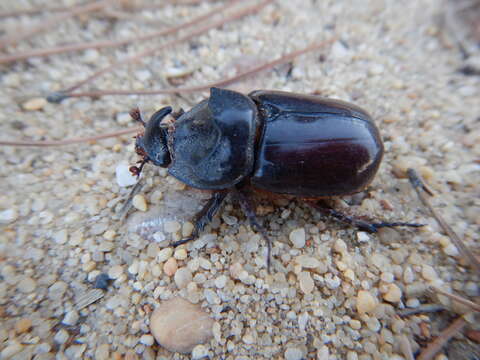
112	43
419	185
435	346
11	39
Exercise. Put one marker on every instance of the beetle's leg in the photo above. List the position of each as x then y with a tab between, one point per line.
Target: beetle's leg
178	113
204	216
247	208
361	224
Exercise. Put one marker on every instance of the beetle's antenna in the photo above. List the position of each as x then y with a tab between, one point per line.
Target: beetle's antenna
136	115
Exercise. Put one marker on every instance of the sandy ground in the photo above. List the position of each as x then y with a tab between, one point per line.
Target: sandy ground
59	206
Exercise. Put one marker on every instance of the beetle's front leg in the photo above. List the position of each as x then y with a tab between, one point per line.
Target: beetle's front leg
360	224
204	216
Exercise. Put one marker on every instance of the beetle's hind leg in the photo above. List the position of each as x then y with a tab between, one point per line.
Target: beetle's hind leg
247	208
359	223
204	216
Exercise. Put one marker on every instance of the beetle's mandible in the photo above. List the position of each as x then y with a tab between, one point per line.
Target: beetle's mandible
300	145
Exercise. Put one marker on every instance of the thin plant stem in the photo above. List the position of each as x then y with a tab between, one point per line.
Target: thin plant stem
50	143
149	52
111	43
457	298
419	185
19	35
227	81
435	346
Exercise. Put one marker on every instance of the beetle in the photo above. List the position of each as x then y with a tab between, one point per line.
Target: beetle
303	146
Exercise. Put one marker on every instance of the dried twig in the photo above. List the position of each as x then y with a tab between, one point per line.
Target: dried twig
227	81
241	13
33	11
419	185
71	141
19	35
435	346
425	308
457	298
112	43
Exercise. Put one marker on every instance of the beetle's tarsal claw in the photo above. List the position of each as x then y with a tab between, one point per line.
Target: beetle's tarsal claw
183	241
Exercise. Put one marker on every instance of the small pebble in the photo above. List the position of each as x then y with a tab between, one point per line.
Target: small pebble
298	237
101	281
172	226
393	294
293	353
235	270
307	262
109	234
306	282
70	318
429	273
365	302
363	237
179	325
147	340
61	336
123	175
102	352
139	202
180	254
11	350
7	216
115	272
164	254
23	325
221	281
182	277
408	276
170	266
199	352
34	104
27	285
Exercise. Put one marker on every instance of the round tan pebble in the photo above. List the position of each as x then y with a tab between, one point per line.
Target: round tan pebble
23	325
180	254
109	234
298	237
187	229
27	285
355	324
102	352
429	273
172	226
139	202
147	340
365	302
393	294
306	282
115	272
34	104
170	267
179	325
235	270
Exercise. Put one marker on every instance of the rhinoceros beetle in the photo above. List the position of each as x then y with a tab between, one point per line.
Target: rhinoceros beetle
305	146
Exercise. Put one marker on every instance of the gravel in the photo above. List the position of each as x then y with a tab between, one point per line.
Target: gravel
332	291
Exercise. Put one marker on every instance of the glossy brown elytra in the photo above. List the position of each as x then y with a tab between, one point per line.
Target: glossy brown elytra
300	145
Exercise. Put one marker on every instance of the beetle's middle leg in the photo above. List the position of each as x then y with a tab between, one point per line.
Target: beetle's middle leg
204	216
247	208
359	223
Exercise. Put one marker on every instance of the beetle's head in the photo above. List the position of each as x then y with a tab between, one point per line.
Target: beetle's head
151	145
